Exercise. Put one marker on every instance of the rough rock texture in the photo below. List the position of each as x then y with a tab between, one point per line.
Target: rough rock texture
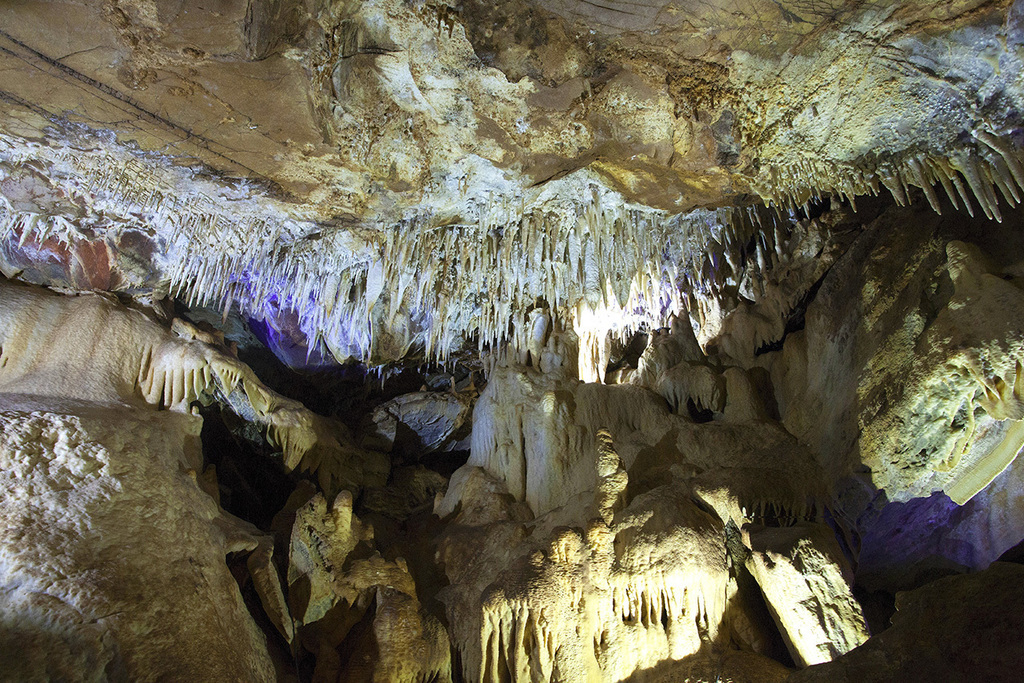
800	570
905	544
674	516
900	367
422	423
111	556
336	582
735	287
630	506
127	358
410	160
604	603
538	434
83	378
961	628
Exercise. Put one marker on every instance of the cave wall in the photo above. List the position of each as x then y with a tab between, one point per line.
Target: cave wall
698	514
417	341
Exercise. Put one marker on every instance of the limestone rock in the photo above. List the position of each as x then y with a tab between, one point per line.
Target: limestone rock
809	209
584	162
622	536
413	645
321	540
421	423
268	586
112	555
132	359
537	432
959	628
665	350
744	398
610	491
904	545
800	571
770	282
479	499
886	374
336	580
695	385
647	590
730	666
408	491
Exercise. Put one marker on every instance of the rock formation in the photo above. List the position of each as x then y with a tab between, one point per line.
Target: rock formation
387	340
113	564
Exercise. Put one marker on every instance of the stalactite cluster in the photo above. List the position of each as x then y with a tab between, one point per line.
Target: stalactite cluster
391	340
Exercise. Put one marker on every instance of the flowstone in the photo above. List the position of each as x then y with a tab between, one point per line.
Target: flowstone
115	544
808	210
603	603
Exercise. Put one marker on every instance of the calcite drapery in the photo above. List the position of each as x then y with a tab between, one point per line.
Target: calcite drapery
129	359
529	185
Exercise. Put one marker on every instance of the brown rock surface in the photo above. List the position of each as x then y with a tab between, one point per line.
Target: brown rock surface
353	148
113	559
961	628
705	380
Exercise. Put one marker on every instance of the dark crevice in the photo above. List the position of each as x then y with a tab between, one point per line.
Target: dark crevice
816	207
251	484
753	602
797	318
698	414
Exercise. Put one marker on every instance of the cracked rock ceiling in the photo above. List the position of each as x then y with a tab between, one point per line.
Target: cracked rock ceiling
391	176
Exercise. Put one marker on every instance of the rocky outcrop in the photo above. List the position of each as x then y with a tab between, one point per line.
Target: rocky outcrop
675	516
422	423
629	594
115	550
127	358
894	372
355	611
801	572
111	555
723	298
629	534
585	162
957	628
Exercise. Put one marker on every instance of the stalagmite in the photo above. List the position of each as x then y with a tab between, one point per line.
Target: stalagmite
650	346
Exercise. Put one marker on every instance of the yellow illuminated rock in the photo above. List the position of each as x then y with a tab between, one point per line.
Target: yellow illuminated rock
364	341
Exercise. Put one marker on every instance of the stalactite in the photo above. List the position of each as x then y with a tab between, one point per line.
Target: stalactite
572	245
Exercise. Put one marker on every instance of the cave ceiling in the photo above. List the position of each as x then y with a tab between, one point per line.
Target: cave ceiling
639	340
387	176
